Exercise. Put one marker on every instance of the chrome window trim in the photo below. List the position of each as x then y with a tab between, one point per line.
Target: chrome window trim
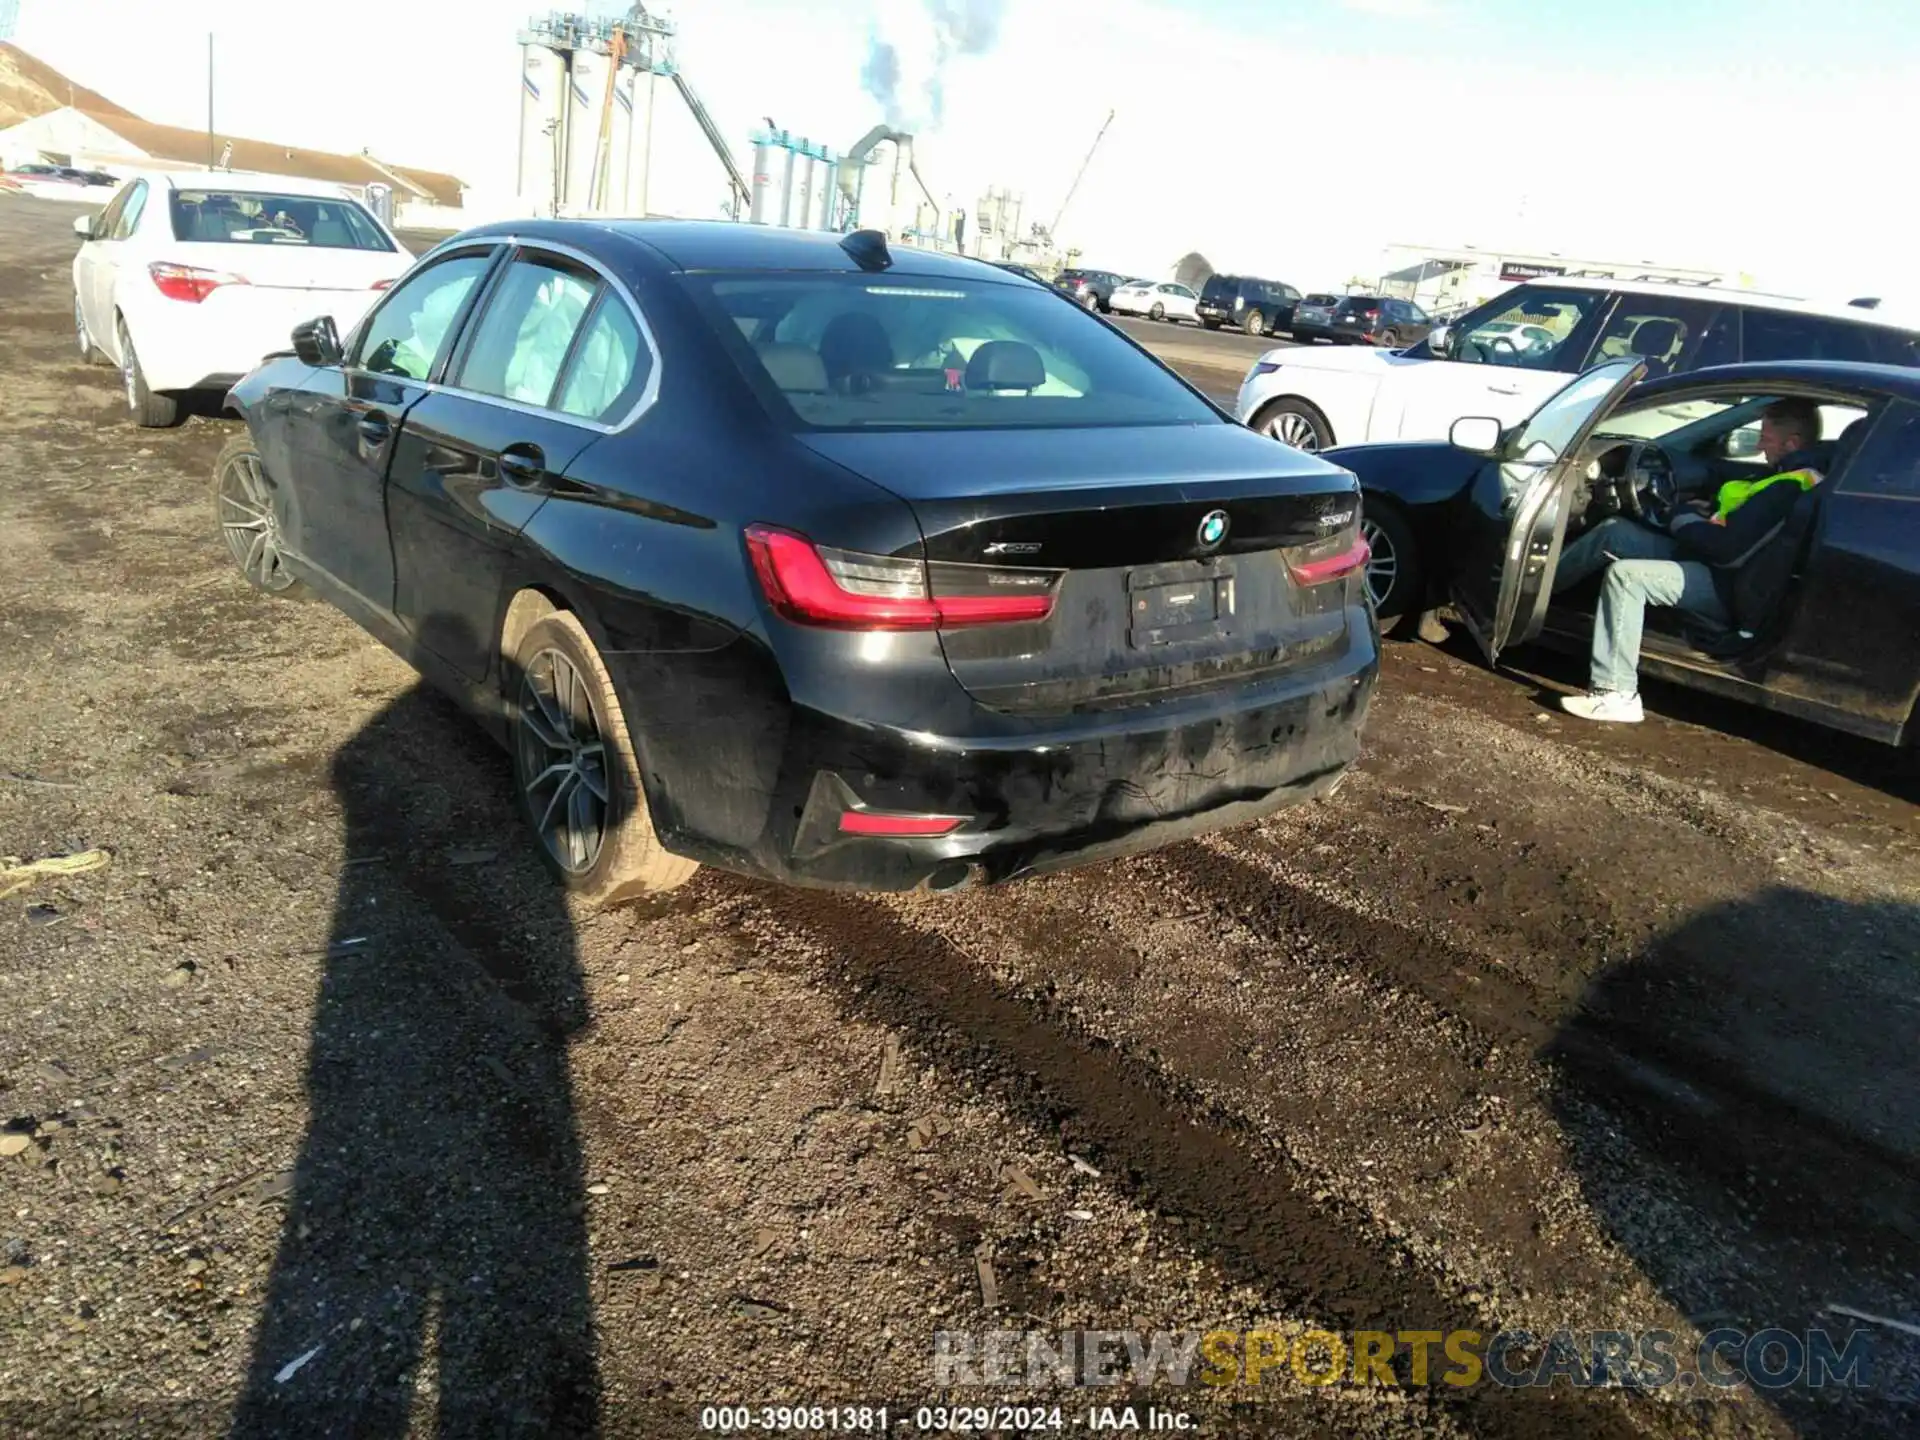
650	392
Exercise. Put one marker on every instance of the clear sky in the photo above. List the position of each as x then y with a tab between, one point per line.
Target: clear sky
1294	139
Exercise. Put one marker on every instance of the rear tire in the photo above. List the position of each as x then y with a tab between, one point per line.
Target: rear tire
1255	323
150	411
1092	302
1210	324
1295	423
1395	566
575	771
1389	339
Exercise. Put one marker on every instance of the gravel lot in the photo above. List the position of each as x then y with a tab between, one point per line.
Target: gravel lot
331	1119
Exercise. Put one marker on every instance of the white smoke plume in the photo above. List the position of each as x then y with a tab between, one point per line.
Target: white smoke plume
909	49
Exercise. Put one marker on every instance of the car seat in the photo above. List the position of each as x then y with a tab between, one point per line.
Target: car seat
794	368
1764	586
854	344
1002	365
1658	343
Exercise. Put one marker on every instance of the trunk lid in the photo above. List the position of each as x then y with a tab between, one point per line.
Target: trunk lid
293	267
1150	604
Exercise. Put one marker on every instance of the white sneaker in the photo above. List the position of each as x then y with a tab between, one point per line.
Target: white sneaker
1605	705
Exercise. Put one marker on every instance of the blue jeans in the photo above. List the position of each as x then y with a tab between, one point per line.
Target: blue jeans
1641	570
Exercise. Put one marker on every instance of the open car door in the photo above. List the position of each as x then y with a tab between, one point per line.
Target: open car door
1515	515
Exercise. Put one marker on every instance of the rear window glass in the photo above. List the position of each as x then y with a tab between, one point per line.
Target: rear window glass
245	217
864	352
1361	302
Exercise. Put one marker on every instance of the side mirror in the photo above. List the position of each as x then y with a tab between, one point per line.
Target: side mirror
1478	433
83	226
1743	444
317	342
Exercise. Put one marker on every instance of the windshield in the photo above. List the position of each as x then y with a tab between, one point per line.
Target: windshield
855	352
1529	327
246	217
1554	426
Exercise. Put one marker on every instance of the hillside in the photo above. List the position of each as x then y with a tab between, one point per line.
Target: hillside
30	87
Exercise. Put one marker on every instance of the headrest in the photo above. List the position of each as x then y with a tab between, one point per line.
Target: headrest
1006	365
794	367
1654	339
854	342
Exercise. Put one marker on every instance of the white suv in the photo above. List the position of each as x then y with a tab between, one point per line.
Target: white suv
1504	358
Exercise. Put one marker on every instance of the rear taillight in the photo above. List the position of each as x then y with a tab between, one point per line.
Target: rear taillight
1371	314
1265	367
183	282
844	590
1332	557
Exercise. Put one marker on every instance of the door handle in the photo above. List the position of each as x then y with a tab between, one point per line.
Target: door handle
1503	389
375	428
523	466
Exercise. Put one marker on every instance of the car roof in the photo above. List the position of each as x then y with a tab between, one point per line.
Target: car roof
1753	299
1901	381
242	181
729	245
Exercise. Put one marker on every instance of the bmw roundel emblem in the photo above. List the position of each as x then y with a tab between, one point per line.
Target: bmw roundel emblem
1213	528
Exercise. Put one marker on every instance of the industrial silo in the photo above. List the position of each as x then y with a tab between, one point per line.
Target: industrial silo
543	94
614	199
805	162
824	191
640	151
769	174
587	92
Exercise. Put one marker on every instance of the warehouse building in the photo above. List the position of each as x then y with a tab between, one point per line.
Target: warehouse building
56	122
1441	280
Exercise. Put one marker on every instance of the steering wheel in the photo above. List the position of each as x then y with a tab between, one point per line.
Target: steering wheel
1651	492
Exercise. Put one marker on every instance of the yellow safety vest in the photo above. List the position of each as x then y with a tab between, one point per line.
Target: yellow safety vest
1736	493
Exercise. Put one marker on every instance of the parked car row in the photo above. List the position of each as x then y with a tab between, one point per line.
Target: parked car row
853	567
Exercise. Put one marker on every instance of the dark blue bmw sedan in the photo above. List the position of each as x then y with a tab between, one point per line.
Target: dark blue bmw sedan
810	559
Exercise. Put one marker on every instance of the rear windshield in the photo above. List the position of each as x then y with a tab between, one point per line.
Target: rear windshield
1321	299
246	217
860	352
1361	302
1221	285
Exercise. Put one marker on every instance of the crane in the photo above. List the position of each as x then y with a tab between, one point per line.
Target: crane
1054	229
603	150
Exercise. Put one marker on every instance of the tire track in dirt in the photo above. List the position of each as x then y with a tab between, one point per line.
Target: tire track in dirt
1252	1214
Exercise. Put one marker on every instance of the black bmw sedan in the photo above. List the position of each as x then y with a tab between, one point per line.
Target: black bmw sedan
812	560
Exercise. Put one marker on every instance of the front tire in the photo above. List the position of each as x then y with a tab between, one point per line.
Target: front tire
1255	323
1295	423
576	772
1394	573
150	411
243	503
1159	312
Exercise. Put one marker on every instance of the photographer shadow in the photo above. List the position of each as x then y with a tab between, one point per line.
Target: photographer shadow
434	1257
1747	1090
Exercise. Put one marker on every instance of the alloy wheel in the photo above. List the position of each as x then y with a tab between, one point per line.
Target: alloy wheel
127	372
563	761
80	330
1290	427
246	520
1382	564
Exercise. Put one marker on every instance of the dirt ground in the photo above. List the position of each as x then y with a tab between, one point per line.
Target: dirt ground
323	1115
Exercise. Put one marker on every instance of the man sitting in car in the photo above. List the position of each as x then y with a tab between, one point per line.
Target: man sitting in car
1692	566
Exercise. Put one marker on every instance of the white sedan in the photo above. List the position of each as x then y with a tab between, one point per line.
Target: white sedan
185	281
1157	300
